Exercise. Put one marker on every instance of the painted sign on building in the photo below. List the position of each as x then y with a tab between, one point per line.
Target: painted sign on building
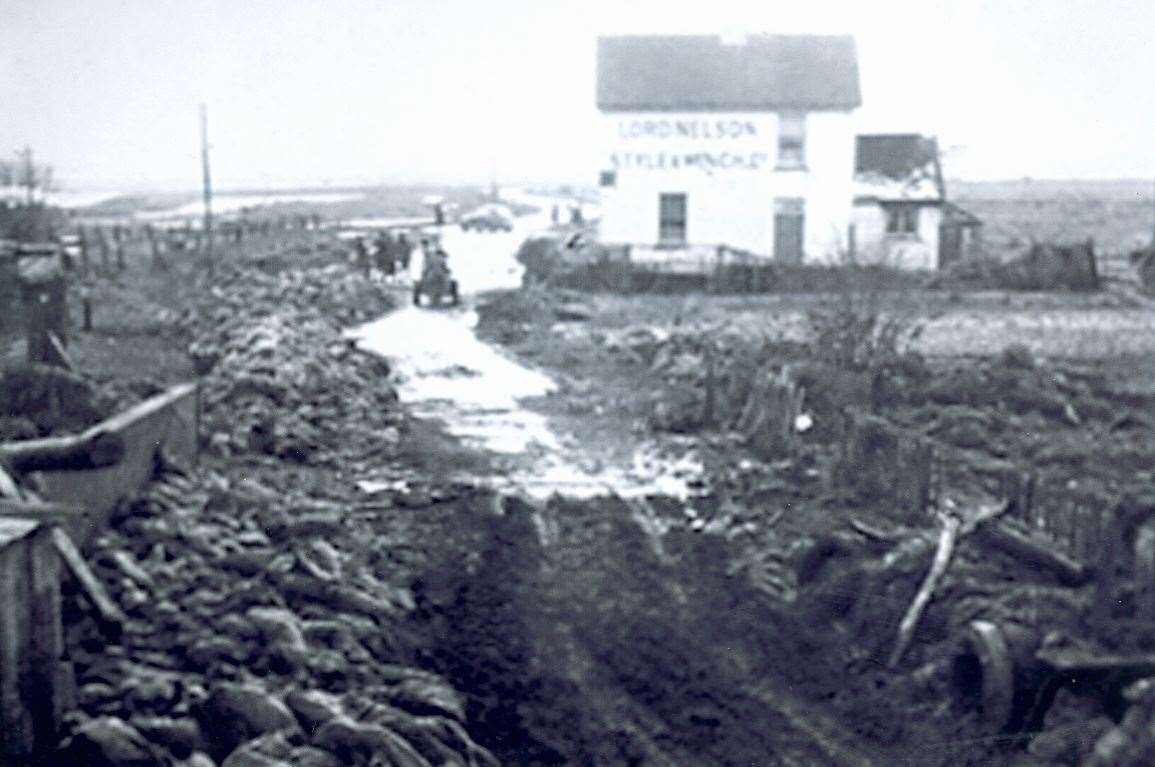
706	144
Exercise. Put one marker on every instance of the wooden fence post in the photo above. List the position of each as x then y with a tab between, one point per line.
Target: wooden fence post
118	244
85	254
153	245
881	462
1106	577
105	251
1145	572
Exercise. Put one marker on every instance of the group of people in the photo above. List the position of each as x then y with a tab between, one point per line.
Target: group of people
391	254
388	253
576	217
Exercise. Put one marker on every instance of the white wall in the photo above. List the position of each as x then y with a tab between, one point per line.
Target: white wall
731	205
874	246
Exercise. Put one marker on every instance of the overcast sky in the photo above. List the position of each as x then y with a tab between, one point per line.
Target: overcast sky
309	91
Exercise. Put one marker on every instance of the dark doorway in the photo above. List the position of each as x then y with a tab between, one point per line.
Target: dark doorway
789	226
672	218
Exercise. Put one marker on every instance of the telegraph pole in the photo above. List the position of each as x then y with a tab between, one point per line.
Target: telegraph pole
29	174
208	187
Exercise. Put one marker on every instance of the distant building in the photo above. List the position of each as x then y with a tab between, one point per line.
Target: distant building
710	142
901	214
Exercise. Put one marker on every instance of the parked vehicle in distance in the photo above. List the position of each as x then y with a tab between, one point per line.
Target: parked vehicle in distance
436	284
488	218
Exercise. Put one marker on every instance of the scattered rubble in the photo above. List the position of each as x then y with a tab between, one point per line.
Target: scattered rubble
836	530
308	600
265	607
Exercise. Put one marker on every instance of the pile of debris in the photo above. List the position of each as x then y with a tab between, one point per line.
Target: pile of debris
261	627
280	378
1045	266
257	615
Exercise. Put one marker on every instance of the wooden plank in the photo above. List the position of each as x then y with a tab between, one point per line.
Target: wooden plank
92	449
109	612
72	518
1040	554
1074	660
1145	572
52	689
13	530
166	422
938	568
15	724
58	352
8	486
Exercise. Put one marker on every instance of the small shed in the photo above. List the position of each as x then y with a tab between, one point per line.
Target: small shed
960	235
901	214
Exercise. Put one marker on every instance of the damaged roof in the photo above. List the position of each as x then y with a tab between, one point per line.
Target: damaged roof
898	166
702	73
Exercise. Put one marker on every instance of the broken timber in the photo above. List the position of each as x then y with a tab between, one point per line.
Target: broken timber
942	558
41	512
1036	553
93	449
953	530
110	614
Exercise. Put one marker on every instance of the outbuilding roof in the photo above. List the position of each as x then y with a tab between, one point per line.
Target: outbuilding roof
702	73
898	166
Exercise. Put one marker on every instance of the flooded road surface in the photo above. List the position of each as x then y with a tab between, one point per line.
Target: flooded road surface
447	373
611	630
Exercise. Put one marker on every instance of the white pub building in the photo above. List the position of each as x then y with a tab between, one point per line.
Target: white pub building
747	144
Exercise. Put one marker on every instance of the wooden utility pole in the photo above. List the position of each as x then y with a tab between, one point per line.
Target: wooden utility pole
208	187
28	174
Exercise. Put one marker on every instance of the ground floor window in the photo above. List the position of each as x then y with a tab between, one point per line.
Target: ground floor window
672	218
901	218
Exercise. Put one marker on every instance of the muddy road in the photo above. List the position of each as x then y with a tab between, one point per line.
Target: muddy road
478	394
585	628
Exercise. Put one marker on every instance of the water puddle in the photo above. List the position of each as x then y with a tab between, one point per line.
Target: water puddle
446	373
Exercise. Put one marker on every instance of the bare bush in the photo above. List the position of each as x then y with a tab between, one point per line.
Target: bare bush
854	330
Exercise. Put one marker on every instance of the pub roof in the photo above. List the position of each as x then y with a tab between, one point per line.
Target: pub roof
765	73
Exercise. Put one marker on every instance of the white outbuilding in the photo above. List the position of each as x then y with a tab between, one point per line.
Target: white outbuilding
902	218
713	143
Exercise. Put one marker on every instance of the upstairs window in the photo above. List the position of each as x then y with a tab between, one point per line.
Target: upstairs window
608	178
792	140
902	219
672	218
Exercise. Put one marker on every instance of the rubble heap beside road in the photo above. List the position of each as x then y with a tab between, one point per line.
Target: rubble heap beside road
266	594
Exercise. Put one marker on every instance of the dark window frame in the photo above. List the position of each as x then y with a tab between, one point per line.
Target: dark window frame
608	178
902	219
791	153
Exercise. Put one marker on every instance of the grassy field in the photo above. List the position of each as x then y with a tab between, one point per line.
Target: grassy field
1116	214
363	202
1068	326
